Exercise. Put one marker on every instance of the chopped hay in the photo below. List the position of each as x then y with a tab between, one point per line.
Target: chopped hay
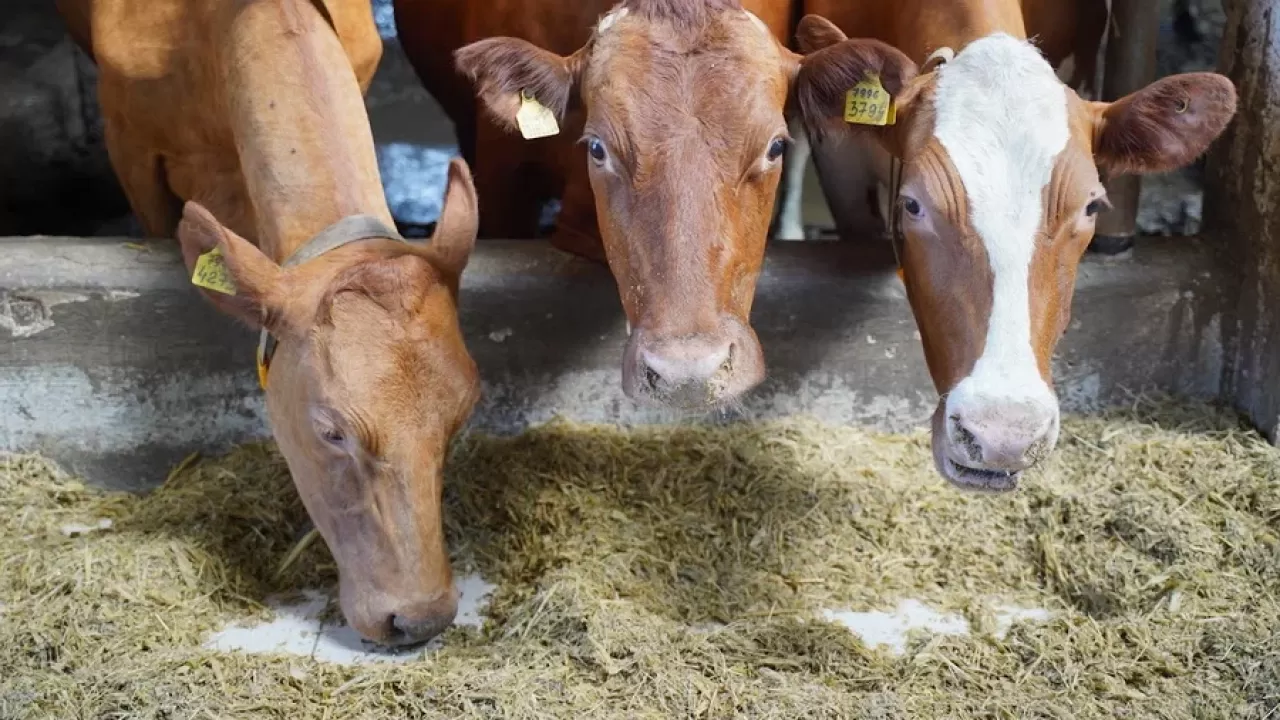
681	572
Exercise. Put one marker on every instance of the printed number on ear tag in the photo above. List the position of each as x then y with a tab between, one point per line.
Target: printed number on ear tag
868	103
535	119
211	273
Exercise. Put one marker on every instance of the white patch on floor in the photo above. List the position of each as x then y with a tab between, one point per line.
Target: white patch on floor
297	629
1007	615
74	529
892	629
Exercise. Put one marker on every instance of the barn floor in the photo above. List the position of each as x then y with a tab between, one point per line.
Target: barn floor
686	572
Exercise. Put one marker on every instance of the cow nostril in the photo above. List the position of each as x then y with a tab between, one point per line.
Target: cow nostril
651	378
408	631
965	438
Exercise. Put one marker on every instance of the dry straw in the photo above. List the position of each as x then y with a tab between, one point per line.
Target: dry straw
671	573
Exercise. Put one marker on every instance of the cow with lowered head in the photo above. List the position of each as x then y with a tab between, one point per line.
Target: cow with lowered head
240	126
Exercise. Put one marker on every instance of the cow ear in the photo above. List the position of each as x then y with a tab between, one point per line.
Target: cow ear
815	33
455	235
251	284
507	71
835	66
1164	126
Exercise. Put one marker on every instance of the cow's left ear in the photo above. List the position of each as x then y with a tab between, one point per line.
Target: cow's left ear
832	65
509	71
1164	126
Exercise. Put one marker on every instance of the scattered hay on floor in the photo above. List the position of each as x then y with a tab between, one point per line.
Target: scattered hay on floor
680	573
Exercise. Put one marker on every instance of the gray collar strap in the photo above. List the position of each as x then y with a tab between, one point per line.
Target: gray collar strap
350	229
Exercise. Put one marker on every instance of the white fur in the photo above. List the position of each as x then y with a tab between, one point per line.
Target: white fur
791	217
1002	117
607	21
758	22
945	54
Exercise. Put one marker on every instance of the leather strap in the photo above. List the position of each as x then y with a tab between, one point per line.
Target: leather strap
350	229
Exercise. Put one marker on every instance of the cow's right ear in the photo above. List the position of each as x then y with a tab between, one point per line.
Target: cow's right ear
507	70
256	284
833	65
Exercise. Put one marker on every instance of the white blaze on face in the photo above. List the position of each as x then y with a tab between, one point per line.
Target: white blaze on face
1002	117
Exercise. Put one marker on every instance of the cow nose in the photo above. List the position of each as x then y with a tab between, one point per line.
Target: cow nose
419	622
688	366
1008	436
410	630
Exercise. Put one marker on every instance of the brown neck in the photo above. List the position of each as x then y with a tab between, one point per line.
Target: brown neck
301	130
918	27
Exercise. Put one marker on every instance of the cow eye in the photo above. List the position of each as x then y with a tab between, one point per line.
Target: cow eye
776	148
333	436
328	427
595	148
911	206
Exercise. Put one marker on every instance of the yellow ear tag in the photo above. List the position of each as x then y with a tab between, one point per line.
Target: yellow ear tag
262	374
535	119
211	273
868	103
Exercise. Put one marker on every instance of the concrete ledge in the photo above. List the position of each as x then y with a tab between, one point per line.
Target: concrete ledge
113	365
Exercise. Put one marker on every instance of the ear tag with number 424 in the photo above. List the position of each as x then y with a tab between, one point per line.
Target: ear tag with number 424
535	119
211	273
868	103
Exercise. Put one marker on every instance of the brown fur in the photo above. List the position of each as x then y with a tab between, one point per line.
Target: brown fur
502	68
689	14
241	125
1166	125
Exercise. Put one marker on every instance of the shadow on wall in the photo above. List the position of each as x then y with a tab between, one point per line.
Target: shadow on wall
55	178
54	174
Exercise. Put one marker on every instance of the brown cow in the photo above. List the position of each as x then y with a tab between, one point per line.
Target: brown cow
997	197
252	112
678	106
1068	32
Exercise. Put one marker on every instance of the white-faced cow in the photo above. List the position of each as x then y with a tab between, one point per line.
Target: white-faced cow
996	187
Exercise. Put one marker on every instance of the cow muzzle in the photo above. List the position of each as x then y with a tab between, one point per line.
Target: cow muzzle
988	446
692	371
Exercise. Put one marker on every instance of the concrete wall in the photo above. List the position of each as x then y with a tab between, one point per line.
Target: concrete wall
112	364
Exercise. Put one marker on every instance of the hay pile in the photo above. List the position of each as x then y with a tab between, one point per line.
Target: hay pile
679	572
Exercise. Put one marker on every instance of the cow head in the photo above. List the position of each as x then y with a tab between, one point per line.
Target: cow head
684	137
369	383
999	191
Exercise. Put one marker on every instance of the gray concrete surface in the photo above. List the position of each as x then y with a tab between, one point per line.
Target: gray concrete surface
113	365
